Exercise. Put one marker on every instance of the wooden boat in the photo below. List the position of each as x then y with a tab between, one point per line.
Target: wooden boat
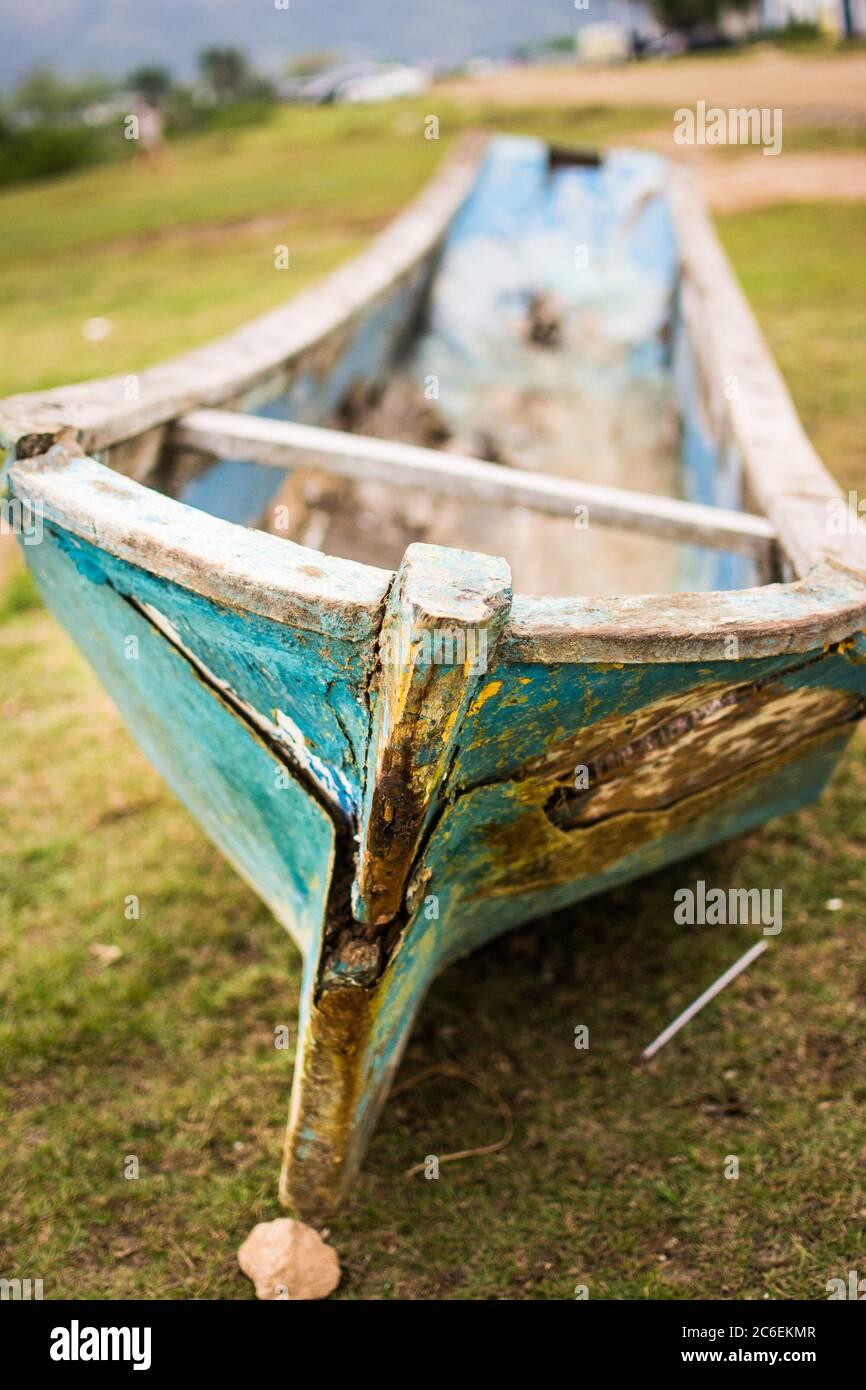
402	757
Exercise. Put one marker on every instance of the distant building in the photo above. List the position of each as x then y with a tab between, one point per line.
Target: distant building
603	42
483	67
393	80
357	82
828	15
99	113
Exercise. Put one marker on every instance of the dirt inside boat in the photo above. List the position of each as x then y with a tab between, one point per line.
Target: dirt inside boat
629	441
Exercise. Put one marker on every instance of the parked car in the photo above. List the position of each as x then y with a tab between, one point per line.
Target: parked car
357	82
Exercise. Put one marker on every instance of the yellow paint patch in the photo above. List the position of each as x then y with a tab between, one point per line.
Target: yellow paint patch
492	688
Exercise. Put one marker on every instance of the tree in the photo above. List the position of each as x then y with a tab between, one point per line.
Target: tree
151	83
309	64
688	14
226	73
43	98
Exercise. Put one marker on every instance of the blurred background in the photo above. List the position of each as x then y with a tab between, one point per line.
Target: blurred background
305	126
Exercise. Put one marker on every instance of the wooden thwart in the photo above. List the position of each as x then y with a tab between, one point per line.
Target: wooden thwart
285	444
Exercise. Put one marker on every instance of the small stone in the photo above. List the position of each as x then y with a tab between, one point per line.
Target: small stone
106	955
95	329
834	904
288	1260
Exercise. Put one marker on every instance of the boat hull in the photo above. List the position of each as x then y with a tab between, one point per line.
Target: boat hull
406	764
535	786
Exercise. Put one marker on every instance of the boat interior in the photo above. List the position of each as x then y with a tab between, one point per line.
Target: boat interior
545	358
532	394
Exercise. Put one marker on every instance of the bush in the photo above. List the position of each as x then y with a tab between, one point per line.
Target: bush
798	31
42	151
241	113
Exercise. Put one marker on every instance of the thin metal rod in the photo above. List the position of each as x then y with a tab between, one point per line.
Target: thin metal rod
731	974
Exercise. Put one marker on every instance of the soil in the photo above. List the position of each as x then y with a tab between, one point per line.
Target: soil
818	88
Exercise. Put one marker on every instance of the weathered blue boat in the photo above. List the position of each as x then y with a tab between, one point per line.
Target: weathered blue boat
403	757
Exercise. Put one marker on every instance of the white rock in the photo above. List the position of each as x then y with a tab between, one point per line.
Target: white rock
288	1260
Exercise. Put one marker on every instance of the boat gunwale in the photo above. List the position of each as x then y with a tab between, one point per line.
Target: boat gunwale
233	565
277	579
782	476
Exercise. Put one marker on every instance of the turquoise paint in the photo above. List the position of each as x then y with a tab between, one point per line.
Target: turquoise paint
275	834
521	210
597	240
489	904
515	235
539	707
472	912
317	681
280	832
710	473
240	491
480	897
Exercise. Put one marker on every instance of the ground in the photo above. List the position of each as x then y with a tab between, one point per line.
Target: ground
615	1175
809	88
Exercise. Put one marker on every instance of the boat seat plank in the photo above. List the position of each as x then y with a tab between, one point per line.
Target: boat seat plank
285	444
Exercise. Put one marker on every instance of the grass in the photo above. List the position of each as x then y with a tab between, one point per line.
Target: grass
802	268
173	259
615	1176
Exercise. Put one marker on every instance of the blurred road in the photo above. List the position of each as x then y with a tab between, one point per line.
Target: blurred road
809	86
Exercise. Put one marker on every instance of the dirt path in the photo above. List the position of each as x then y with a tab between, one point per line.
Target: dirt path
821	89
730	186
813	91
747	178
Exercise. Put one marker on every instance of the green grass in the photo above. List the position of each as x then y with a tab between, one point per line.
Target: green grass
803	267
614	1177
807	139
615	1174
173	258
